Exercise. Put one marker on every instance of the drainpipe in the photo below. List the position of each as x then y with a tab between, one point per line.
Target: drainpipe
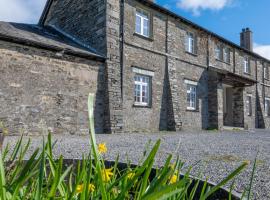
208	52
121	49
234	61
256	96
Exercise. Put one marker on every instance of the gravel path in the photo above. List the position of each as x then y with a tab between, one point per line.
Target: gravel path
214	154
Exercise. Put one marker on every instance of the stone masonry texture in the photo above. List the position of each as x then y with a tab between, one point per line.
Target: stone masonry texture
107	27
40	91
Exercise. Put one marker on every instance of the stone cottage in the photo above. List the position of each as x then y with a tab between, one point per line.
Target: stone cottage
150	69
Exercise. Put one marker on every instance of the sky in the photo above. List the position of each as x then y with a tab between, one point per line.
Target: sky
224	17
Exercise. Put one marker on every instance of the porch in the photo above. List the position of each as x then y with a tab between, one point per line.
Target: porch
226	99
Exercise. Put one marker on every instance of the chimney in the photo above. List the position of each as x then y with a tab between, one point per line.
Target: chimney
246	39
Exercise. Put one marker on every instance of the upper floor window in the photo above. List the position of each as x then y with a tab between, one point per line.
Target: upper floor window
191	95
142	22
142	90
227	55
266	72
246	65
249	105
219	52
267	106
191	43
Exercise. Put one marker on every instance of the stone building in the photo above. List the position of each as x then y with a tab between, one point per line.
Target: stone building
150	69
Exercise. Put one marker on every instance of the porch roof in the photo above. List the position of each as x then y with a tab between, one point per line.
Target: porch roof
232	78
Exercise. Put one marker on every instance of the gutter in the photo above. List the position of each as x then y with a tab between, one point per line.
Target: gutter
45	12
186	21
121	49
52	48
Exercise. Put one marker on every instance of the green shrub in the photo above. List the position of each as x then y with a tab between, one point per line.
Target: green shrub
44	177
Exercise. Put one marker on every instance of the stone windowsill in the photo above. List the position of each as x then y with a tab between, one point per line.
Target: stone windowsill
144	37
141	106
228	63
193	54
191	110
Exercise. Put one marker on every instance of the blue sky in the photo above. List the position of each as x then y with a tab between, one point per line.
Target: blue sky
225	17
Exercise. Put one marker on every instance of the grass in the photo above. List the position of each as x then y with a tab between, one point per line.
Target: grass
43	177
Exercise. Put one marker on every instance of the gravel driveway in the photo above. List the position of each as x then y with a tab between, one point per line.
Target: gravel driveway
215	154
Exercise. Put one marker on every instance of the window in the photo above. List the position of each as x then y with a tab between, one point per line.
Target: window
218	52
191	96
246	65
249	106
142	90
142	23
267	107
266	72
191	43
227	55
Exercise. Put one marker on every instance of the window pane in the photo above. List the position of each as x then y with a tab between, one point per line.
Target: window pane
146	27
191	96
141	89
138	24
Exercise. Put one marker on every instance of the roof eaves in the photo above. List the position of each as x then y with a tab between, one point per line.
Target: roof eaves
51	47
174	15
45	12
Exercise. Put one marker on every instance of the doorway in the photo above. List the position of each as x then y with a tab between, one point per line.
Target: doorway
228	105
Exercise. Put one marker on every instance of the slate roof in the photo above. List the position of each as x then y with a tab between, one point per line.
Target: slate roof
46	38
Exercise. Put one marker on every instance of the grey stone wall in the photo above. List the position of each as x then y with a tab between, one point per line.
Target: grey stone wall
83	19
39	89
97	24
146	119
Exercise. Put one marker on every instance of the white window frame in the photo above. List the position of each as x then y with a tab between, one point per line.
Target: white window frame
190	42
227	56
265	72
192	104
219	52
267	106
144	22
249	105
246	65
142	84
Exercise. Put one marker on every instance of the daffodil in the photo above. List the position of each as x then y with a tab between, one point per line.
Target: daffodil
130	175
173	179
79	188
107	174
91	187
102	148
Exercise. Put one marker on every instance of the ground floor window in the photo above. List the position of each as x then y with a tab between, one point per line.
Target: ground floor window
142	90
191	95
249	106
267	107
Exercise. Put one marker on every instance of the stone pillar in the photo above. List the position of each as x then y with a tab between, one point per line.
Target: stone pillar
220	104
113	113
215	101
238	107
174	112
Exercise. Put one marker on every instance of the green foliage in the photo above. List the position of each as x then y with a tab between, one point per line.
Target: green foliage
43	177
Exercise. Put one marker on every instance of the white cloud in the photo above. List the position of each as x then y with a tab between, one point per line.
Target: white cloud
27	11
263	50
196	6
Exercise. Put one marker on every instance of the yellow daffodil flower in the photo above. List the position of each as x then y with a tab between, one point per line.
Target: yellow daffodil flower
173	179
79	188
102	148
130	175
91	187
107	174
